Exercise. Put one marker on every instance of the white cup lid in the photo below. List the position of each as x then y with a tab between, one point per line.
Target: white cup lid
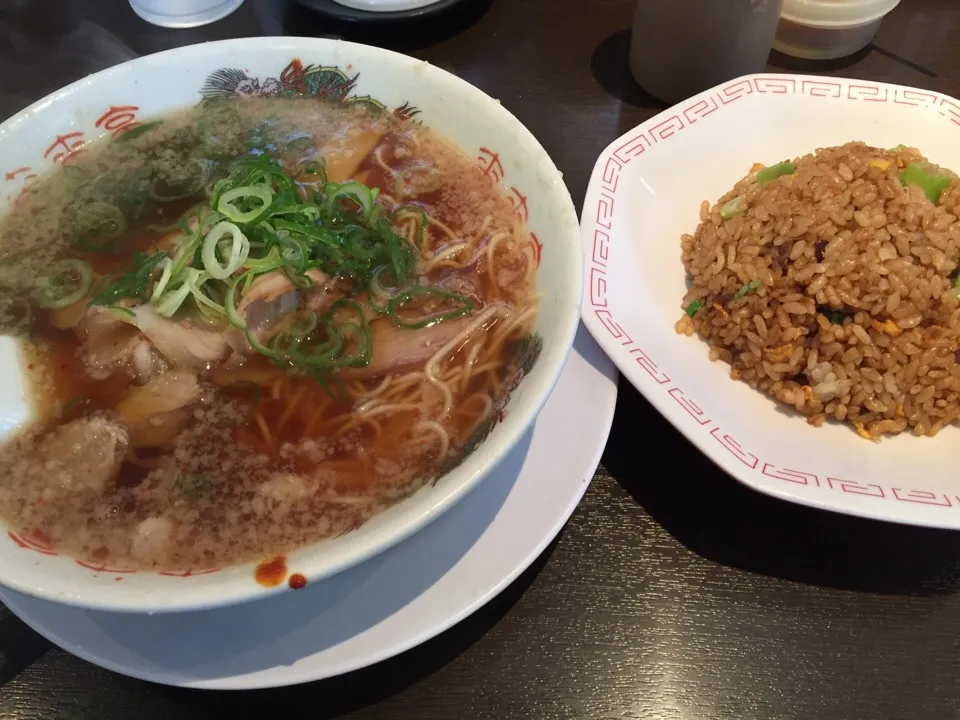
836	13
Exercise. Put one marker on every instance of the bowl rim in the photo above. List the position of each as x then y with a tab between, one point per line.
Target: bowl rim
640	370
478	465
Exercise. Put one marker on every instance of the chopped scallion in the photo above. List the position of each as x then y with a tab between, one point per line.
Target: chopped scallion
95	226
255	198
836	317
768	175
66	285
929	178
416	180
694	307
731	209
461	306
237	248
133	284
750	287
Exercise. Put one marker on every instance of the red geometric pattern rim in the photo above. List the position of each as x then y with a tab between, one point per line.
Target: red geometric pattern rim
38	545
645	140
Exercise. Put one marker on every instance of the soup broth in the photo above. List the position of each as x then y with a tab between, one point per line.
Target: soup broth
253	325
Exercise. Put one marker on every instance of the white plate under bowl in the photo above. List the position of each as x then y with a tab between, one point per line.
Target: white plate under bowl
388	604
54	130
646	191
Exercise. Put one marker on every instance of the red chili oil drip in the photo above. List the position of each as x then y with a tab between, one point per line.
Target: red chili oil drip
271	573
297	581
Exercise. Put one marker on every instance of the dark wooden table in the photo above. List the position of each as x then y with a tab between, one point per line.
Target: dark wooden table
673	592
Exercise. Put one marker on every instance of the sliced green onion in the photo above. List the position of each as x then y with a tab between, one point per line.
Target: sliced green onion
133	284
294	251
376	287
418	212
731	209
327	237
307	211
75	172
207	306
72	403
417	180
352	190
171	302
463	303
304	327
124	314
750	287
897	148
183	286
929	178
230	304
836	317
193	485
137	131
238	250
316	173
158	288
271	261
66	285
95	225
361	357
256	197
164	191
299	280
360	330
694	307
186	251
768	175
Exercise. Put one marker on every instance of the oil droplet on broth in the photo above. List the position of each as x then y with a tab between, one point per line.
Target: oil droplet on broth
271	573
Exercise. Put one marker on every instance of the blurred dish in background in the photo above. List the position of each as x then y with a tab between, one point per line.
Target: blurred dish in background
378	10
829	29
183	13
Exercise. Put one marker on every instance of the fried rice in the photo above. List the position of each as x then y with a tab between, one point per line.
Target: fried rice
830	284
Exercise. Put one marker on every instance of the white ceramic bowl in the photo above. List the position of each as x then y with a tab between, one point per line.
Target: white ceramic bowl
111	101
646	191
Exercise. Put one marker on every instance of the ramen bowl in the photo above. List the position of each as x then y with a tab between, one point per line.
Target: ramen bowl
56	129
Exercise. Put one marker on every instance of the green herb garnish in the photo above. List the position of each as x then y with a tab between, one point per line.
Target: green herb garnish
694	307
836	317
133	284
768	175
461	306
67	284
95	226
731	209
138	131
263	220
193	485
750	287
928	177
72	403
